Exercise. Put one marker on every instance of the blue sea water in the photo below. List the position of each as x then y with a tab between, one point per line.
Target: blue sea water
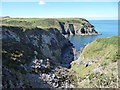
108	28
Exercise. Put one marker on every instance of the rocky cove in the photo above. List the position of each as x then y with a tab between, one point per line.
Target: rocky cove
32	53
40	57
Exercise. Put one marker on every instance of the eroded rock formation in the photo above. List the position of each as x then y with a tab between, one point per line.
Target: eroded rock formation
35	57
76	29
67	26
31	57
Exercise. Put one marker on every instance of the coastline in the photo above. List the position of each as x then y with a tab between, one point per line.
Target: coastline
83	35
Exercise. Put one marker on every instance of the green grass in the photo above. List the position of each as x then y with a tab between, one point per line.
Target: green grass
81	70
102	48
42	22
104	51
102	79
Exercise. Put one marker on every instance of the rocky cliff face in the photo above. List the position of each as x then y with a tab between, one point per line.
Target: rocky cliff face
30	54
67	26
35	58
77	29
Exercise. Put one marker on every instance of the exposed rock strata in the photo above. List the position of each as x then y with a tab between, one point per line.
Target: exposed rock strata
67	26
31	54
76	29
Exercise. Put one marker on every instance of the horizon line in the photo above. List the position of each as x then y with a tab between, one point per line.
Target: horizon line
56	17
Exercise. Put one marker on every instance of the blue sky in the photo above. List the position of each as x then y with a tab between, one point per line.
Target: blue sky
88	10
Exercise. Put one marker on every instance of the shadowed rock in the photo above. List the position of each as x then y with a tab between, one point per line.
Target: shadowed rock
62	27
30	52
71	28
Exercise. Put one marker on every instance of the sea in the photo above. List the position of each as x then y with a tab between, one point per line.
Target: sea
108	28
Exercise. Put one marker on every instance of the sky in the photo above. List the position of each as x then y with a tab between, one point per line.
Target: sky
44	9
61	0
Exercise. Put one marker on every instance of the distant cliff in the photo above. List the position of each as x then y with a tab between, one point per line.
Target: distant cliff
78	28
67	26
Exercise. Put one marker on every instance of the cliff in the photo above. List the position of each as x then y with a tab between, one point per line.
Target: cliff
97	64
35	54
31	54
67	26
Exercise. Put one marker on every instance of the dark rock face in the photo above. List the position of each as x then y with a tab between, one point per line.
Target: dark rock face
31	53
62	27
71	29
13	79
83	30
75	29
47	43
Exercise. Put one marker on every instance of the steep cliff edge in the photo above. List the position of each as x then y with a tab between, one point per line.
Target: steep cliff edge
35	52
78	28
67	26
29	54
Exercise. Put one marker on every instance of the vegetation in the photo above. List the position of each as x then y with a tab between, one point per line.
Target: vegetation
42	22
14	57
104	49
96	67
102	72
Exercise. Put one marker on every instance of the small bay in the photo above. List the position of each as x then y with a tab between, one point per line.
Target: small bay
108	28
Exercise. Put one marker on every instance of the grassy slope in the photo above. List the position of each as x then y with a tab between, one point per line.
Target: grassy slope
104	52
42	22
102	48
